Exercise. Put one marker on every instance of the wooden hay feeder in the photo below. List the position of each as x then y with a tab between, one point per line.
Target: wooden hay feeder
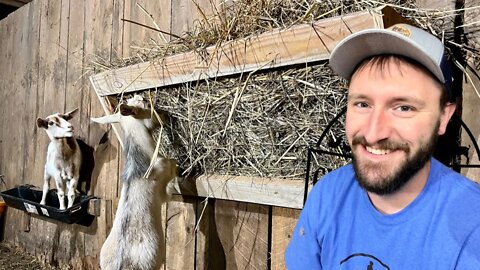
279	48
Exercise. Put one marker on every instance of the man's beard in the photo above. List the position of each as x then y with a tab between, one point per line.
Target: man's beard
386	185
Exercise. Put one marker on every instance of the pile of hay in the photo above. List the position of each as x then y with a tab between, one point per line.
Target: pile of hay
261	123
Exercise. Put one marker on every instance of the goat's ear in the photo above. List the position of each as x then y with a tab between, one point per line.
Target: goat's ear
69	115
127	110
42	123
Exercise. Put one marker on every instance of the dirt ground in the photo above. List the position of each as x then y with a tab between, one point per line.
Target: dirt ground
12	257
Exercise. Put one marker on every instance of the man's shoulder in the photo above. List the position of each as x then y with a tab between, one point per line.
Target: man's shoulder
335	182
454	182
460	195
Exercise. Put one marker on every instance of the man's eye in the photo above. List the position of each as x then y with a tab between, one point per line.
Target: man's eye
405	108
361	105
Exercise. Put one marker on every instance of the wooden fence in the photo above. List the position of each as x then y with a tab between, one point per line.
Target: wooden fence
45	51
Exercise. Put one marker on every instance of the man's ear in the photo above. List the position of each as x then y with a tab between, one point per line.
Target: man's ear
448	111
42	123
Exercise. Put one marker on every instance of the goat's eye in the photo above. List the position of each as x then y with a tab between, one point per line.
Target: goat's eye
50	123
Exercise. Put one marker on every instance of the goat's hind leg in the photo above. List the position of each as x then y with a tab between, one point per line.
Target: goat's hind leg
46	187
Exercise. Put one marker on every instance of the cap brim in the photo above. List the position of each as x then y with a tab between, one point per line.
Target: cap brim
355	48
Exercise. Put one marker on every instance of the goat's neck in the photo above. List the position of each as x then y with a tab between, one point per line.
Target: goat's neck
64	146
138	134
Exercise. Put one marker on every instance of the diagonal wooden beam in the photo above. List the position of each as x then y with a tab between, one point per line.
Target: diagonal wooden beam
296	45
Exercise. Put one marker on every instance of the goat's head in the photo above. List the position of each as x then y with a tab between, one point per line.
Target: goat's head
135	108
57	125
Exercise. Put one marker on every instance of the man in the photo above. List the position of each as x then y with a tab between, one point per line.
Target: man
395	207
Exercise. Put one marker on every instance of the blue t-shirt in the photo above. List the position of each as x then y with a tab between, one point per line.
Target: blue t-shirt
339	228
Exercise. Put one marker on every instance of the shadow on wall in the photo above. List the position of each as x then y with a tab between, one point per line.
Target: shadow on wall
5	10
87	167
93	161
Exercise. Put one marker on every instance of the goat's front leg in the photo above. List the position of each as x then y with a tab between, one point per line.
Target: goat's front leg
46	187
72	187
60	191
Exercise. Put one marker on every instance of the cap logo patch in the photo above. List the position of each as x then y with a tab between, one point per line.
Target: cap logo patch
401	30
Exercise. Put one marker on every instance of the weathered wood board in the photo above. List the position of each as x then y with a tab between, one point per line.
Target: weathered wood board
155	14
278	192
283	223
243	232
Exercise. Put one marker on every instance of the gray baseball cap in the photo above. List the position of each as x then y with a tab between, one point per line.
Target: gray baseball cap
399	39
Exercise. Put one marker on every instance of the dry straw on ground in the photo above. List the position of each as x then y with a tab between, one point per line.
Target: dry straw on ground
261	123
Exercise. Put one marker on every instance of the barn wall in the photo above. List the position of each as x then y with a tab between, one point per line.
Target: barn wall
45	45
46	51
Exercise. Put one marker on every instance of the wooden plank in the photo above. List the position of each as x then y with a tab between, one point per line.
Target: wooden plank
187	12
31	108
74	69
3	58
470	105
471	91
21	55
243	233
53	101
40	140
205	219
277	192
24	58
474	173
13	230
209	250
283	223
11	63
98	43
71	242
105	223
98	37
117	30
98	28
295	45
136	37
180	236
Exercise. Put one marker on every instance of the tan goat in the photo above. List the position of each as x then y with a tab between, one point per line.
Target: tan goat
63	157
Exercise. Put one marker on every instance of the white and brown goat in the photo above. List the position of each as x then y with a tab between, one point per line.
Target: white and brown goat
63	157
136	240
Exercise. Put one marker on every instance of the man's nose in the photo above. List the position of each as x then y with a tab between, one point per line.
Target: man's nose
378	126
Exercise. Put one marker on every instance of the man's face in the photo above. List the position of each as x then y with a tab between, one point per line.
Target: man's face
393	120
